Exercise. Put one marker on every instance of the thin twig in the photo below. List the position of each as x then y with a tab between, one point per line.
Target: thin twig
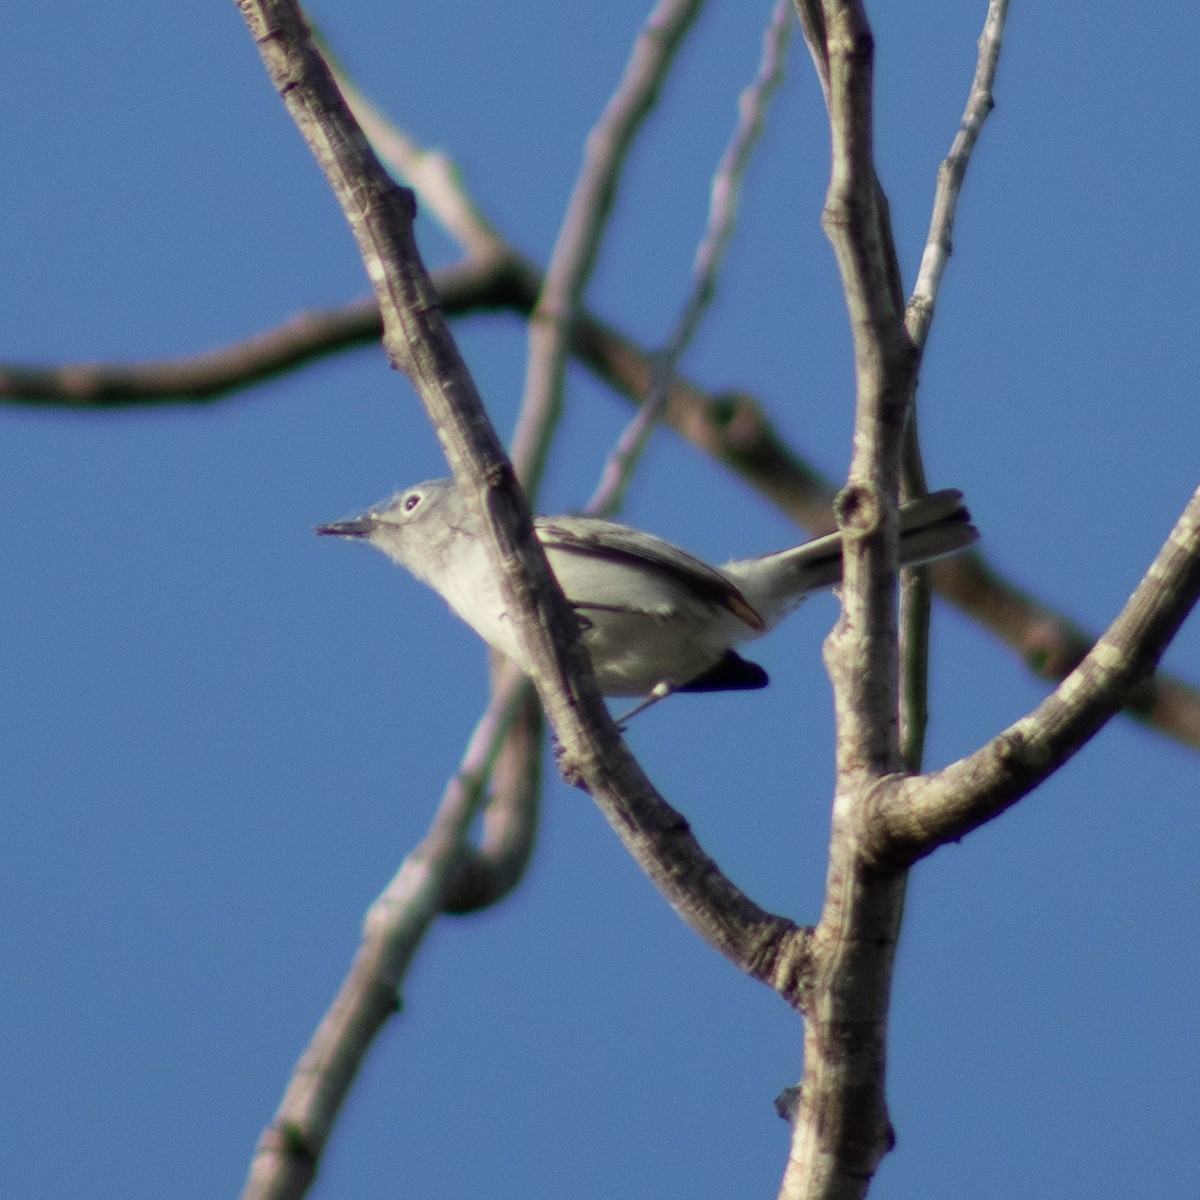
434	176
914	588
722	215
583	227
952	172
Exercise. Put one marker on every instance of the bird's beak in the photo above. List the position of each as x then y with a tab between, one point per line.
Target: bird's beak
359	527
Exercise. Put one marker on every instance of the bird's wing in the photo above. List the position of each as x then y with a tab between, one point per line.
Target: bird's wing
621	544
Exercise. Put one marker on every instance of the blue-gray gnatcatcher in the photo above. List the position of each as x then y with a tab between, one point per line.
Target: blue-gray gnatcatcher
653	618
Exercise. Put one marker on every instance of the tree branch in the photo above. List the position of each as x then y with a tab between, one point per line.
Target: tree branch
470	286
841	1129
418	342
861	652
574	257
911	817
445	873
726	190
951	173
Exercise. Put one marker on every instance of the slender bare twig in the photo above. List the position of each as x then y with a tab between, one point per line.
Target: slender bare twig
509	759
583	227
915	591
726	190
951	174
430	173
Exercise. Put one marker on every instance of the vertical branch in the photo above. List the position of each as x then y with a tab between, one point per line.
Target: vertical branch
841	1129
861	652
915	591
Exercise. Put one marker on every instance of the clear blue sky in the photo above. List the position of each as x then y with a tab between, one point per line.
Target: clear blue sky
220	734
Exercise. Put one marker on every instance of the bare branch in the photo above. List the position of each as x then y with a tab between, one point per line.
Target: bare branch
914	816
443	874
583	228
592	754
951	174
861	652
841	1129
914	593
430	173
510	758
916	613
469	286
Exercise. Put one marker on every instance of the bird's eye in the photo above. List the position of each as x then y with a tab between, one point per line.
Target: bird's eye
411	501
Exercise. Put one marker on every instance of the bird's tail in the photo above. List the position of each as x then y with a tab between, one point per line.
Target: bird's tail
931	527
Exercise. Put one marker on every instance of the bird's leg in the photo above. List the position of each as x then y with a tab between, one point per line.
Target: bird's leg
660	691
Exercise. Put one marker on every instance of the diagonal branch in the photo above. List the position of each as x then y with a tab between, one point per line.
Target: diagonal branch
951	174
443	874
912	817
430	173
725	193
583	228
418	342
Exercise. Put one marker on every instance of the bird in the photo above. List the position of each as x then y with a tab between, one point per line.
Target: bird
654	618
